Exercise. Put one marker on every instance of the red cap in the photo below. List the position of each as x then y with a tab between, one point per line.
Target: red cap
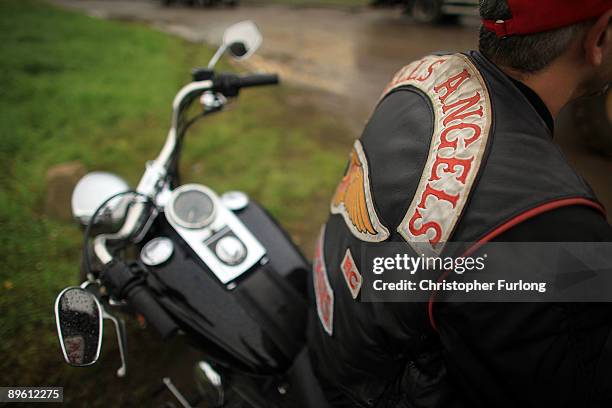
529	16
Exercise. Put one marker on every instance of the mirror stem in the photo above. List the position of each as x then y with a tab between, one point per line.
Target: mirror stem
215	58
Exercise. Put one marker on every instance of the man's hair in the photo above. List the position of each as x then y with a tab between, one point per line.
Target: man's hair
525	53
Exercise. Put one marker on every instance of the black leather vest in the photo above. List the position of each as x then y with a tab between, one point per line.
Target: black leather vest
453	152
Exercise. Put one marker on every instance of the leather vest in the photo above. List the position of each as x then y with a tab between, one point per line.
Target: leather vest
453	152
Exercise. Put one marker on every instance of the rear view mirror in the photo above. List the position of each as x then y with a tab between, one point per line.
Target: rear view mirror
242	39
78	316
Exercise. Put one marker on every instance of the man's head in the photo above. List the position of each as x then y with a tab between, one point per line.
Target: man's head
584	47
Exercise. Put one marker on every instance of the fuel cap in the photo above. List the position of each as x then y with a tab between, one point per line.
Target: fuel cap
230	250
235	200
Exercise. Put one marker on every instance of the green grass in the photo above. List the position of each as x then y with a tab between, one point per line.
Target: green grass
74	88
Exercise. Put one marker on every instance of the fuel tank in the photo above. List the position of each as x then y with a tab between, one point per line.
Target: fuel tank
255	323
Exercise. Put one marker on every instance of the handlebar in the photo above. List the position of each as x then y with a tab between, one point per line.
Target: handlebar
258	80
150	183
144	303
125	284
230	84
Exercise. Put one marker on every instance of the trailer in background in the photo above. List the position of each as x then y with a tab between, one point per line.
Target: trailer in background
433	11
204	3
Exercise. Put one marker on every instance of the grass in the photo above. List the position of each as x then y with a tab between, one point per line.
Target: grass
76	88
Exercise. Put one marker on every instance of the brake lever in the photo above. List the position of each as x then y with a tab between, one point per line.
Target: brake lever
121	339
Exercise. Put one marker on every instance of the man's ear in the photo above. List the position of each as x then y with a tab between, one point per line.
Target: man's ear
598	41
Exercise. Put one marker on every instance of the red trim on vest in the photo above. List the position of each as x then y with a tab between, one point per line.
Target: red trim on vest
553	205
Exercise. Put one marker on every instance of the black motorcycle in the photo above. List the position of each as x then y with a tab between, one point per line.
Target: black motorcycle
215	269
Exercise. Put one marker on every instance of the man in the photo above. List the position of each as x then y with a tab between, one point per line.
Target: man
460	148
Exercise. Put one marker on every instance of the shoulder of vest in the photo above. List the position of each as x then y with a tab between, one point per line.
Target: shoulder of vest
450	155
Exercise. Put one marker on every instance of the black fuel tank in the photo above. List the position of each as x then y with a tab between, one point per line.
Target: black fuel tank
256	323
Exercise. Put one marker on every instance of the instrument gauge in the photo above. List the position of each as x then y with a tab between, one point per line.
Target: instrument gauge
191	206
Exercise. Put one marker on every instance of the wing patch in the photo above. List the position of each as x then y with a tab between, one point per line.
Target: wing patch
353	200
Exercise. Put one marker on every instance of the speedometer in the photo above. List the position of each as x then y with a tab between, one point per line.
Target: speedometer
191	206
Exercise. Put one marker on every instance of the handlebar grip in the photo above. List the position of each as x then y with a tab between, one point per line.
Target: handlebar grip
122	282
230	84
258	79
144	303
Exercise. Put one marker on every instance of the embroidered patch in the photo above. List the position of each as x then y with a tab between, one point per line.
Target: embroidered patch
462	112
351	274
353	200
323	291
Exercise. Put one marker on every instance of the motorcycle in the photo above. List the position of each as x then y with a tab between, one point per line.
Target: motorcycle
217	270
